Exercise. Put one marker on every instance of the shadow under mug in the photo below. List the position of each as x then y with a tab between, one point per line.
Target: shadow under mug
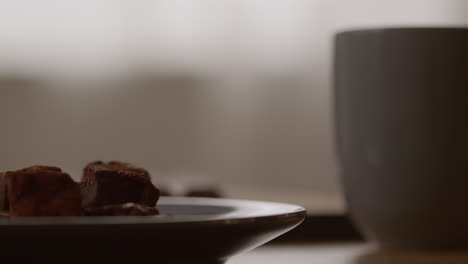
401	106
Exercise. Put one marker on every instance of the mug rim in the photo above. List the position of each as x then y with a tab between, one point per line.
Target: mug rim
382	30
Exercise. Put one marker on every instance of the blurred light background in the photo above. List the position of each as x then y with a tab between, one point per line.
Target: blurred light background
231	93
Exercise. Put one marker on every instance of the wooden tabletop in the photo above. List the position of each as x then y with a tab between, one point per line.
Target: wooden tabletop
345	253
298	254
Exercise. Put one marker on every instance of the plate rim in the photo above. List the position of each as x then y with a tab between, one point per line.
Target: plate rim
295	211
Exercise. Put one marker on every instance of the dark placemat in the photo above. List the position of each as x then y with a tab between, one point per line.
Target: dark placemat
322	228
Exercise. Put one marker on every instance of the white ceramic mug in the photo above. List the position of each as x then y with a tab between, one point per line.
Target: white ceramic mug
401	98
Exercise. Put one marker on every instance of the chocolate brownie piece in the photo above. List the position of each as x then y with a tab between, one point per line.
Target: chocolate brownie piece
129	167
42	191
116	166
116	183
3	193
127	209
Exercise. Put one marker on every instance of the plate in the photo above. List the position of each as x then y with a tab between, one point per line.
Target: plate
190	231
